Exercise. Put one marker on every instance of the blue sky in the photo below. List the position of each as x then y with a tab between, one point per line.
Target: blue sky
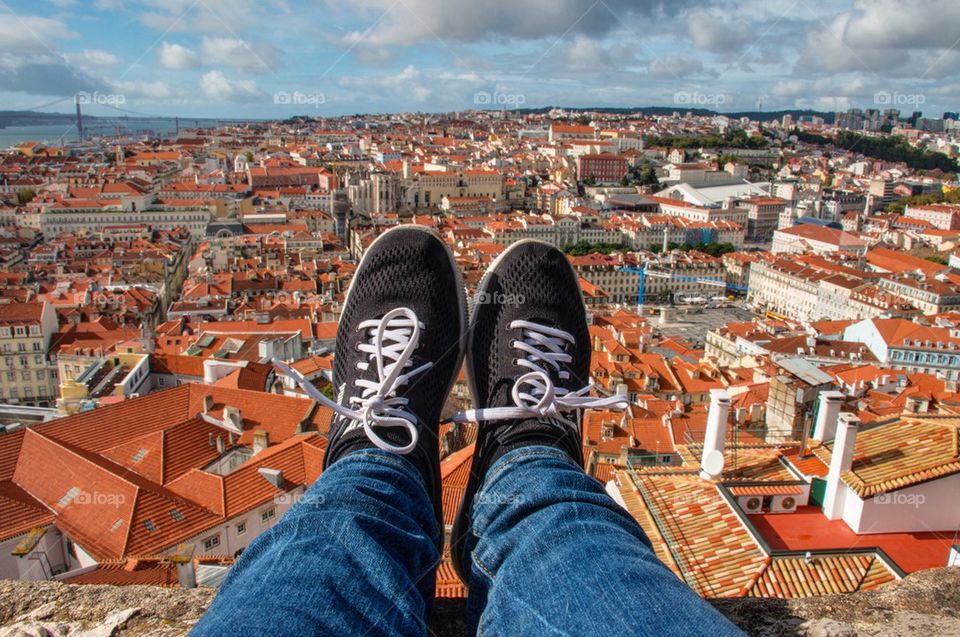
276	58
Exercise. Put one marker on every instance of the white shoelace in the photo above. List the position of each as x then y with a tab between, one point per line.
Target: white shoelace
390	345
542	345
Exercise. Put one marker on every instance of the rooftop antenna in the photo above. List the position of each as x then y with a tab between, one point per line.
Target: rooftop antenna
79	117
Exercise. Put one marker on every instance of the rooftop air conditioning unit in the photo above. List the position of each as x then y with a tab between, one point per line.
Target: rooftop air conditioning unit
751	503
783	504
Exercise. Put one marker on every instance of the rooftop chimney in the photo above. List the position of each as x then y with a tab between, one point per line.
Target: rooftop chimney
711	463
261	440
826	425
232	419
183	559
841	462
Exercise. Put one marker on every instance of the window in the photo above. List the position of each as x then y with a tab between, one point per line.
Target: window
211	542
41	374
242	528
20	331
25	374
176	515
150	525
268	515
36	347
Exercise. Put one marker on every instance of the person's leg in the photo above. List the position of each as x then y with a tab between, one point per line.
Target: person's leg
357	555
544	550
550	553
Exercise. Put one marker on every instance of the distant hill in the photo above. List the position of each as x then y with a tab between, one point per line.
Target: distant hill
763	116
31	118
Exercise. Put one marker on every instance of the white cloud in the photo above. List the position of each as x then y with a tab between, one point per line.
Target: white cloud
904	24
176	56
711	32
675	66
153	90
32	33
214	85
93	57
586	54
406	84
259	58
414	21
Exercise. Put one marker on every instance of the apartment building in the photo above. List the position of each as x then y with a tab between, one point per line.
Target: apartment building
941	216
763	216
930	295
26	376
77	221
604	168
909	346
814	238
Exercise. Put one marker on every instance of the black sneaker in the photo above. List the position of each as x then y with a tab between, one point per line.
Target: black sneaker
528	365
400	344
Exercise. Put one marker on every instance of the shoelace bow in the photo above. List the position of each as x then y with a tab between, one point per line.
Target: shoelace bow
542	346
390	345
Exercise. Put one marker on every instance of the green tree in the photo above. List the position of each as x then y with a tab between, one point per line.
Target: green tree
249	157
25	196
648	176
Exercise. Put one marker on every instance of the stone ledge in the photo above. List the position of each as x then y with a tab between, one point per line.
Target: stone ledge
926	603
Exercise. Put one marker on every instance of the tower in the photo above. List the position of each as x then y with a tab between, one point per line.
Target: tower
79	117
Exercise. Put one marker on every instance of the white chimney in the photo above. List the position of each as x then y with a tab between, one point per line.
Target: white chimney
261	440
843	447
232	419
183	559
826	425
711	463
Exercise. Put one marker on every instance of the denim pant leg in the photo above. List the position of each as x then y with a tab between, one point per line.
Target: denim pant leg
355	556
550	553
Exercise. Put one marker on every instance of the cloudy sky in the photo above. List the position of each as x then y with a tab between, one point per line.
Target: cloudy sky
276	58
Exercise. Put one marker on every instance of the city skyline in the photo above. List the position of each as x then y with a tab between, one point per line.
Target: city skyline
277	59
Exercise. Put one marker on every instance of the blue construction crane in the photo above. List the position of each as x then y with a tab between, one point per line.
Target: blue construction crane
642	271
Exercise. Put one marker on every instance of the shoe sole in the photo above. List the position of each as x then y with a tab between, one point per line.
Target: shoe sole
462	306
461	523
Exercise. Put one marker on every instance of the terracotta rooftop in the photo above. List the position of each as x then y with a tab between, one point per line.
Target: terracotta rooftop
893	455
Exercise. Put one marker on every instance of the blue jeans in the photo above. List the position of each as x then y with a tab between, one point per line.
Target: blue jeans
550	554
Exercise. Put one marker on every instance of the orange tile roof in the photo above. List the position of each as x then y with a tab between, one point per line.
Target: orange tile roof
900	454
794	577
454	473
128	478
706	538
